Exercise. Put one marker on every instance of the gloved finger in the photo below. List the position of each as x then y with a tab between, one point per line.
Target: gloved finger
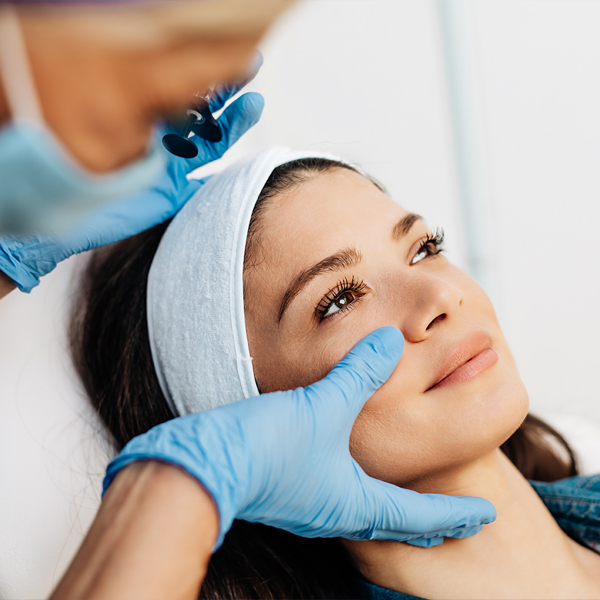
428	542
361	372
409	514
236	119
222	93
10	265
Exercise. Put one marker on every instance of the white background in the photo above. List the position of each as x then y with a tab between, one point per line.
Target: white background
366	79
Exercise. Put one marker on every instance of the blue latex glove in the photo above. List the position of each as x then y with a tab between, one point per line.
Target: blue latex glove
26	259
283	459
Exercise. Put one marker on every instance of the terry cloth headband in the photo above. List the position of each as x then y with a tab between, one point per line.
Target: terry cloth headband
195	300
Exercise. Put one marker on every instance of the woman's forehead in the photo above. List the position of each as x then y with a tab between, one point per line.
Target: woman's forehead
320	218
330	204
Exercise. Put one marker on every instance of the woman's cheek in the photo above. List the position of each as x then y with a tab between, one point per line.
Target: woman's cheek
382	440
291	366
313	360
367	445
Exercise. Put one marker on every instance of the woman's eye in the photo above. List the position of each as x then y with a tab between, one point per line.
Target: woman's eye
343	297
433	244
420	255
340	302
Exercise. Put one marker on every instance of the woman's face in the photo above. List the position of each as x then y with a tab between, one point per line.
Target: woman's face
335	259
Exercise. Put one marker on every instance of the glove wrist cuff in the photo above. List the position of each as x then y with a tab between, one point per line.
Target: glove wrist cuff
14	269
195	444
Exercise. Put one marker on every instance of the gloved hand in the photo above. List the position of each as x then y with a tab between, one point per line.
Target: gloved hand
25	259
283	459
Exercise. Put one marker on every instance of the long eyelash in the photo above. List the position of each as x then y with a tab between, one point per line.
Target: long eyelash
345	285
436	239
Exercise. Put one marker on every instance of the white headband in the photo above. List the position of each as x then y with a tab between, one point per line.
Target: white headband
195	301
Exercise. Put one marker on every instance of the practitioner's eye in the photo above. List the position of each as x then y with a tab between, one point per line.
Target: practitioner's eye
340	299
432	245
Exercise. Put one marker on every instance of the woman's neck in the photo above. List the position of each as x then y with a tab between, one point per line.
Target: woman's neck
523	554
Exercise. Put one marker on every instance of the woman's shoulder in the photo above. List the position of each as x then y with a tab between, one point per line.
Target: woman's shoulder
575	504
584	486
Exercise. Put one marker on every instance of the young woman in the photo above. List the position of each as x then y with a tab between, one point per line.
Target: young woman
327	258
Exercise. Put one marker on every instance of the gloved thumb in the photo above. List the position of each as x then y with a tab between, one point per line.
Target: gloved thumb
361	372
236	119
425	519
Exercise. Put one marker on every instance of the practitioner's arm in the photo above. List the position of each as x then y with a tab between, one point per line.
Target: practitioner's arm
152	538
7	285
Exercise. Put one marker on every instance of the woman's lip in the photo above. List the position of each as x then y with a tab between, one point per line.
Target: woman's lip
484	360
466	360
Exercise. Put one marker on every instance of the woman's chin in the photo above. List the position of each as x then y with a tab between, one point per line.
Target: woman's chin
458	440
487	409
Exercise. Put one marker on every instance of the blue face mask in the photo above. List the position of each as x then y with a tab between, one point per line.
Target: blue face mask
42	188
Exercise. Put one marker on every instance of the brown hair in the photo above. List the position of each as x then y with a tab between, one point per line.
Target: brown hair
111	351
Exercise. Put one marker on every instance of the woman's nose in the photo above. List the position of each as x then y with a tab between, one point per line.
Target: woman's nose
434	300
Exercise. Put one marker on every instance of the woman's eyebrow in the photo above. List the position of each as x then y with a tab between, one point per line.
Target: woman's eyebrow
402	227
336	262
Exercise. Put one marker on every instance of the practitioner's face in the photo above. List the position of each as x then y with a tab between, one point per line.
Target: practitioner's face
409	429
102	97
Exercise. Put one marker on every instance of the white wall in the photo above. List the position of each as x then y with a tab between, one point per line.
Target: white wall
52	459
539	64
365	79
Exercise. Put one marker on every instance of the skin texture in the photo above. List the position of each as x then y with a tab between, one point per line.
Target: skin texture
102	98
442	440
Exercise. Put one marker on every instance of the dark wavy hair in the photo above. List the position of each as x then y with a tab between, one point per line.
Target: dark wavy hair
111	351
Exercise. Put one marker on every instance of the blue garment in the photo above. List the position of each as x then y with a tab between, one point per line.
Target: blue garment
573	502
